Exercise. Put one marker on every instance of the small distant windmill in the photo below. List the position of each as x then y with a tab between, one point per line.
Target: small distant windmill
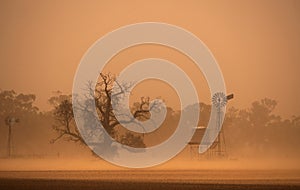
10	121
219	100
218	147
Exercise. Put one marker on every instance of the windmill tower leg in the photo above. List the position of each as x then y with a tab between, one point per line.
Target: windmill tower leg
9	141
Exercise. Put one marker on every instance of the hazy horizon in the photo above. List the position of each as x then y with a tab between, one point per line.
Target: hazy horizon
256	44
51	139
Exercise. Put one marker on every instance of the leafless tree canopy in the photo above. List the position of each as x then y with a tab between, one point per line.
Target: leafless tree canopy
102	95
63	114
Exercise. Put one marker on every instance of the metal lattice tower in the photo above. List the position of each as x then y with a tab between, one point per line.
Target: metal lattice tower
219	101
10	121
218	148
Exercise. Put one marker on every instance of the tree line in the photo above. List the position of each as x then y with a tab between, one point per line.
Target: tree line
248	132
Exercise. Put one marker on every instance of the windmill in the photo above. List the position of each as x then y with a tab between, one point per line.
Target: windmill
219	101
218	147
10	121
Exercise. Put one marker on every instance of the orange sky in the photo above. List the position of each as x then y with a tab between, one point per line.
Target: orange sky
256	43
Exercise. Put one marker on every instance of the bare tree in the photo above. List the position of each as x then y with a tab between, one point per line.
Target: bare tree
63	114
102	95
103	100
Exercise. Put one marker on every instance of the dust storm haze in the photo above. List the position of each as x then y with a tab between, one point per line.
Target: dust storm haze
256	44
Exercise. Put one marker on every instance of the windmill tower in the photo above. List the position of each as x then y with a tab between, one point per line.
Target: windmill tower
10	121
218	147
219	101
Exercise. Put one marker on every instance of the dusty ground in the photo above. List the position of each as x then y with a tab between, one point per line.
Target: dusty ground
46	184
151	179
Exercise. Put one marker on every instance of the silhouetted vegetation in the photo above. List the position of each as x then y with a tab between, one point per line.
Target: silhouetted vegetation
102	97
257	131
32	125
63	114
18	105
251	132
